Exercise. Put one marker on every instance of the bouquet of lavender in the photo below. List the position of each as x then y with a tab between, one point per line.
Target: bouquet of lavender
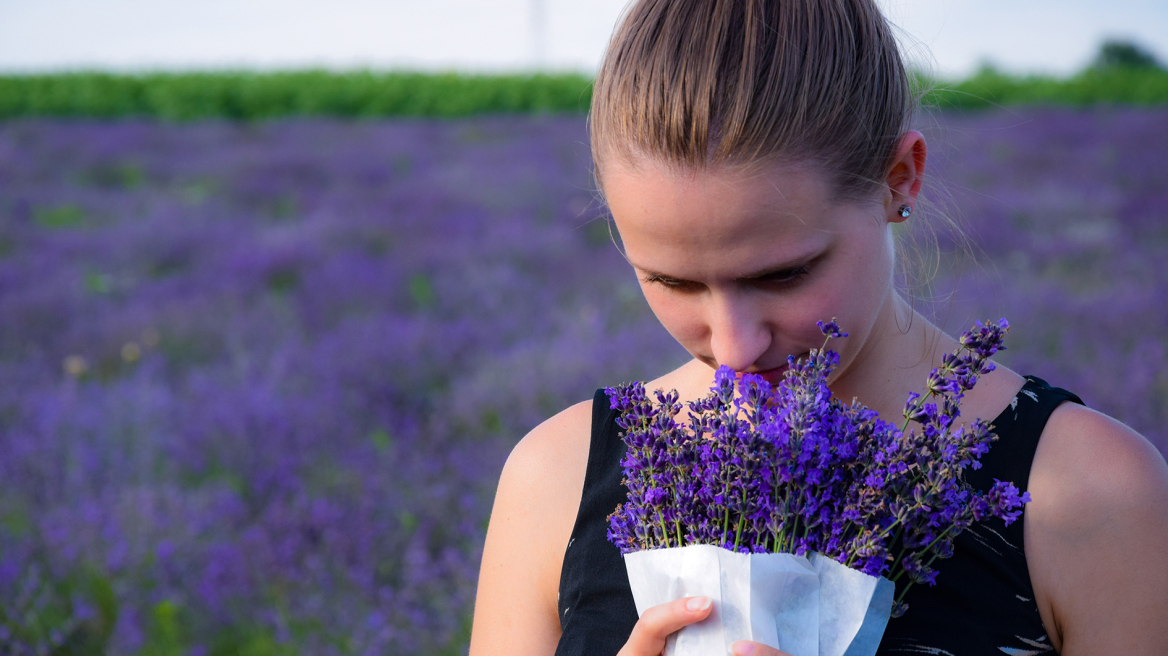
795	512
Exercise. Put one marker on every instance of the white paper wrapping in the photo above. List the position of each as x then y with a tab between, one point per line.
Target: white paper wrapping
853	608
805	607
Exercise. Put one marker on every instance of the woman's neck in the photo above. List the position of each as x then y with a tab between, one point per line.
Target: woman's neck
898	360
900	351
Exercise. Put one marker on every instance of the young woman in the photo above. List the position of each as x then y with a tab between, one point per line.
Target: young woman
755	156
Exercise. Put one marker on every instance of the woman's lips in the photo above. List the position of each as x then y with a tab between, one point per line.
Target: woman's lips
773	376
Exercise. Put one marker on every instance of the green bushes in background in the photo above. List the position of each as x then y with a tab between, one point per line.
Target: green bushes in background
1121	74
250	96
1094	86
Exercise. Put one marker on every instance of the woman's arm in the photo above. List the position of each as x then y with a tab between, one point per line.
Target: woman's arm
535	508
1096	536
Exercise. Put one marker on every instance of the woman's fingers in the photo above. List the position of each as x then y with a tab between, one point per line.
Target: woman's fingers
649	633
747	648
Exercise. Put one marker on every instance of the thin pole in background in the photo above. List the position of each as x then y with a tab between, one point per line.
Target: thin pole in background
539	34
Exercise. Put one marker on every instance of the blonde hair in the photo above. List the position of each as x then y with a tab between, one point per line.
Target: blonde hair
706	83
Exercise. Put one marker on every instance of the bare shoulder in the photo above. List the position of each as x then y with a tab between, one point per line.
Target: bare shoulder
1094	535
555	453
1094	466
535	508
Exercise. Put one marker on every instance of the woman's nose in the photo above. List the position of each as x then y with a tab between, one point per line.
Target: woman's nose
739	335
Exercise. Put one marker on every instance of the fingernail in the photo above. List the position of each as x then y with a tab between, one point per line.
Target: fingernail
744	648
697	603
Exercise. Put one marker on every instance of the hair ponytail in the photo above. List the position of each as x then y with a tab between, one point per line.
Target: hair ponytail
708	83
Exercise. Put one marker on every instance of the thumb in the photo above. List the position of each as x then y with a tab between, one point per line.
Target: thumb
747	648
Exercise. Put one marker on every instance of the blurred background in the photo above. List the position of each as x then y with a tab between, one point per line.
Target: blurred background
952	37
281	284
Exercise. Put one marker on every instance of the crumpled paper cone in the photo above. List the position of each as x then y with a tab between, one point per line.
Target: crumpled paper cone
803	606
854	608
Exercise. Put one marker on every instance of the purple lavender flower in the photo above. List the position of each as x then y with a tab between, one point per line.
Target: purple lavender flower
788	468
370	313
831	329
269	372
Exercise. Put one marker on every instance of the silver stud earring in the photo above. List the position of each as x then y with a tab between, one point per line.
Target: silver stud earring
905	210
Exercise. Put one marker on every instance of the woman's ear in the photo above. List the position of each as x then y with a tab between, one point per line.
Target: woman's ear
905	176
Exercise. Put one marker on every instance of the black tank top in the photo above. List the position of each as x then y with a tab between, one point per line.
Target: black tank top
983	602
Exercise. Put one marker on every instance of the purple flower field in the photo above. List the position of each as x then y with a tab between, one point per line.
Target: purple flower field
260	379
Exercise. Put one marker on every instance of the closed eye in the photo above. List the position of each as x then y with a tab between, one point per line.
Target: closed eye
784	278
670	283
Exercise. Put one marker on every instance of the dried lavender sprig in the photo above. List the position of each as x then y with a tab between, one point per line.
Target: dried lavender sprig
959	371
940	455
788	468
647	427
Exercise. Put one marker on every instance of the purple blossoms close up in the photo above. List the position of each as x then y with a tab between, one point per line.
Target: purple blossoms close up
790	468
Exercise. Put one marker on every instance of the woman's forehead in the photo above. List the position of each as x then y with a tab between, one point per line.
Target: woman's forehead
719	207
727	224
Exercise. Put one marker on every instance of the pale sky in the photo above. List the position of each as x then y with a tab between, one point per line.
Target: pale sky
953	36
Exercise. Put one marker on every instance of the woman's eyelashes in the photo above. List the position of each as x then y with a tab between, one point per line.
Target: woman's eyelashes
673	284
772	280
785	278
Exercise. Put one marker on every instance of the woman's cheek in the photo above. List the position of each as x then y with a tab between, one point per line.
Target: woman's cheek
844	291
680	316
817	299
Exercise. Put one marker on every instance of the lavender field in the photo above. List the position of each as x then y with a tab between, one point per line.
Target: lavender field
259	379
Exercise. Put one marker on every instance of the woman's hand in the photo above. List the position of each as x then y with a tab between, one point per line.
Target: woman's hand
649	634
748	648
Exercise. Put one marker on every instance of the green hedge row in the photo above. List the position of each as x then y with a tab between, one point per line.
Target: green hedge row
1093	86
250	96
